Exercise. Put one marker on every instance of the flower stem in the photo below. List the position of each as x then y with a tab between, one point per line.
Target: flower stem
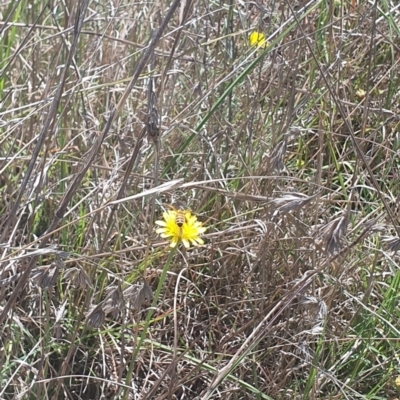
150	313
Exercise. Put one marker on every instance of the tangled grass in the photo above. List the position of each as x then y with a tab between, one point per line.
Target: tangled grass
288	153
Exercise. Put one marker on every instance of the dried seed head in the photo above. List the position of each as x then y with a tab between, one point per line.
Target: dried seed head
96	316
144	295
292	202
45	276
275	161
333	233
114	301
392	243
78	277
139	295
337	232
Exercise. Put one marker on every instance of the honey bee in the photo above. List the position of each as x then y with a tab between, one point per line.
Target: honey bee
180	217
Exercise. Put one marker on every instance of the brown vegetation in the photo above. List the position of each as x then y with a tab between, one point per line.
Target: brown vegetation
112	110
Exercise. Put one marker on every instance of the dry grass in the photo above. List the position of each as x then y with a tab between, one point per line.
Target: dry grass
111	110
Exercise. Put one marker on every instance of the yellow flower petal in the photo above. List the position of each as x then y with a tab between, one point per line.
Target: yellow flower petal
161	223
199	241
258	39
166	235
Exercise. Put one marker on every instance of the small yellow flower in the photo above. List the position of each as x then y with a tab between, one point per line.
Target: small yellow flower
361	93
186	230
397	383
300	163
258	39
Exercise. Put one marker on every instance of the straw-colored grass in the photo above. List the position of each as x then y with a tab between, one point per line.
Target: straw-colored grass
110	111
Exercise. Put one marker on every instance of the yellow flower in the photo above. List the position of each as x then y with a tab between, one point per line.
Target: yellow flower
361	93
258	39
181	226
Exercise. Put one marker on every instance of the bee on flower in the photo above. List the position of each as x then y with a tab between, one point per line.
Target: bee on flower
181	226
258	39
